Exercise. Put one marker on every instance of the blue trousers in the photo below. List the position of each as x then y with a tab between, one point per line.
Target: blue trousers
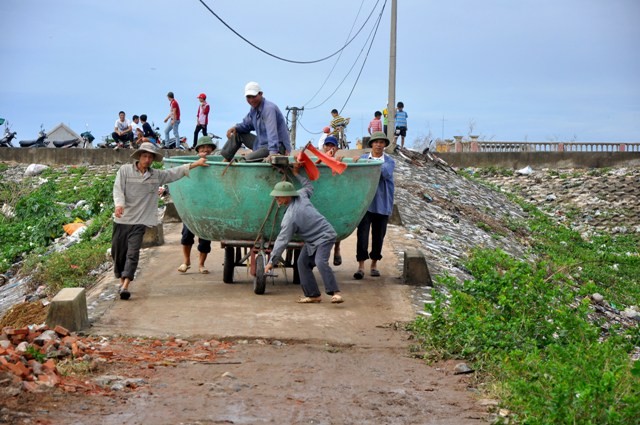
320	259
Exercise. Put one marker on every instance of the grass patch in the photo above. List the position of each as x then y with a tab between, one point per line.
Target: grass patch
525	326
40	212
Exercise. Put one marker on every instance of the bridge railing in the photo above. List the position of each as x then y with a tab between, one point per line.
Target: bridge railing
490	146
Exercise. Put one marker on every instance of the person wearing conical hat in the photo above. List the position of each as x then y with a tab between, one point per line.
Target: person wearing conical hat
377	215
303	219
204	147
135	197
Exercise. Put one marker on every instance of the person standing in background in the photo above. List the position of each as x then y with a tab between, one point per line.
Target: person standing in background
385	119
202	118
325	133
375	124
174	120
376	218
401	123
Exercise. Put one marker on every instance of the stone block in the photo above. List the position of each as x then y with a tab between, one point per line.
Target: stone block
69	310
416	271
171	214
153	236
395	218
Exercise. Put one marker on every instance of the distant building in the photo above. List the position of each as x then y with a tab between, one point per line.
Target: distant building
60	133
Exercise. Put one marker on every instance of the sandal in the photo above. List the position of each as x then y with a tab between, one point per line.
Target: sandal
183	268
309	300
204	270
337	260
125	294
375	272
337	299
358	275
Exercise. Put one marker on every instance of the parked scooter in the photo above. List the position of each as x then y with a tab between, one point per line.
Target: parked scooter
171	144
87	139
9	135
84	141
40	142
107	143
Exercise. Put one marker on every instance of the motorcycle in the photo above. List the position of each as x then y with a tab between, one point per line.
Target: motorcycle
40	142
107	143
171	144
9	135
85	138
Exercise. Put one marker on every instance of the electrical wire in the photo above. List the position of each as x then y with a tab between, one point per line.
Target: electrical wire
279	57
299	122
337	59
373	30
366	57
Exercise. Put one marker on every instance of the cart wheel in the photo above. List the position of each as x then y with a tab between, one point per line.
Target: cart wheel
259	280
296	274
229	262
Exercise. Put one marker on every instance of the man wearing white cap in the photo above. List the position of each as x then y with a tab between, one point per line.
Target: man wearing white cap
135	196
266	119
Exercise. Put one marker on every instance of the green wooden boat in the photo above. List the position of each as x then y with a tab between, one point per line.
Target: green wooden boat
232	203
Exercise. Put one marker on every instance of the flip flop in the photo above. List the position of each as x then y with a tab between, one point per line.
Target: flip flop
125	294
309	300
375	273
203	270
337	260
358	275
337	299
183	268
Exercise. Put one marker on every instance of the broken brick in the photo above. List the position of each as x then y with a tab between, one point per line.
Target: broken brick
61	330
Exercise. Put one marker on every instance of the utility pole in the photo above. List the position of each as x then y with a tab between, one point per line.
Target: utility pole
391	107
294	118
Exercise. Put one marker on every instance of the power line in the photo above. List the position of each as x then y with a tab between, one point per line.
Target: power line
281	58
366	57
338	58
373	30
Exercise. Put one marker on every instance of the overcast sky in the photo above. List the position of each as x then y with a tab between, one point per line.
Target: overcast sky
532	70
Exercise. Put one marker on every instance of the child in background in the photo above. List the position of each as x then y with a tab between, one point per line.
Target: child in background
376	123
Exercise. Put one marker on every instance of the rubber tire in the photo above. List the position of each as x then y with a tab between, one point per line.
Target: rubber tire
229	262
259	280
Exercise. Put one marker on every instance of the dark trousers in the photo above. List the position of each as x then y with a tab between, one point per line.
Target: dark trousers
320	259
377	224
127	137
195	134
237	140
188	238
126	241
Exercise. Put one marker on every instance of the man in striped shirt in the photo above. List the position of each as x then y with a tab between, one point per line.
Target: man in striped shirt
135	196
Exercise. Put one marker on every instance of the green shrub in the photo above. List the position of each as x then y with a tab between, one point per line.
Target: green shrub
525	328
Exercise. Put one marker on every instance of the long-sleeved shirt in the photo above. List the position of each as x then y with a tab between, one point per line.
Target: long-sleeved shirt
203	114
270	127
138	192
382	202
303	219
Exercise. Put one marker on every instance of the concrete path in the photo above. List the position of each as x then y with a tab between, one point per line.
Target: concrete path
166	302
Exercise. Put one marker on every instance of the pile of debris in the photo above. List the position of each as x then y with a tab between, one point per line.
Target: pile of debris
30	354
36	357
